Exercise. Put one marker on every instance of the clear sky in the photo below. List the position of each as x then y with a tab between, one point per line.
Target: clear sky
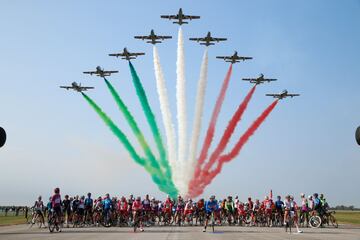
55	139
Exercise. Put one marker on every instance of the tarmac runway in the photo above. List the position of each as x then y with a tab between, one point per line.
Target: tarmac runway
222	232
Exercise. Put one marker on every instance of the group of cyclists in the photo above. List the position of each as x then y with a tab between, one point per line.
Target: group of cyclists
137	212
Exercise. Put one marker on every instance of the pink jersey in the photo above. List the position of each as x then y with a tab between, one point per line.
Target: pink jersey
56	200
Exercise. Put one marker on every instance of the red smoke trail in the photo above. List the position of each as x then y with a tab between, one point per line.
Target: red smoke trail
197	178
229	130
209	176
211	129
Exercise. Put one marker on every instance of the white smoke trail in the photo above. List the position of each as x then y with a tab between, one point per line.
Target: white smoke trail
166	116
181	113
200	95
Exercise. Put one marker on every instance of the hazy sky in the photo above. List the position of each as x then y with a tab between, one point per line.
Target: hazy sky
55	139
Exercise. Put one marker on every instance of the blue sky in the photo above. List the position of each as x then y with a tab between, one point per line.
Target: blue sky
54	138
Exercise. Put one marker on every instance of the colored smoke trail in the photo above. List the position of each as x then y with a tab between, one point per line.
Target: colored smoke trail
181	110
200	95
152	121
209	176
211	129
133	125
166	116
156	177
230	129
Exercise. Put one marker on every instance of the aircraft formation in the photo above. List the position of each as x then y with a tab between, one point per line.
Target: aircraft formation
179	18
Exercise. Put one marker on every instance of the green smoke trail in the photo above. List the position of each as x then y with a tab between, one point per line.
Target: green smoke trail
161	183
151	120
134	126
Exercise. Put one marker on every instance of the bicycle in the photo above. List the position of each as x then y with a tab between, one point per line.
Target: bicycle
37	219
289	220
54	222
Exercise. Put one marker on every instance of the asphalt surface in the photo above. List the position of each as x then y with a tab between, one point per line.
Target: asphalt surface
159	233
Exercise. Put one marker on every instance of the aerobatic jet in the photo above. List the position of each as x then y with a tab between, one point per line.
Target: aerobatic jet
234	58
180	17
77	87
154	39
208	40
126	54
259	80
283	94
101	72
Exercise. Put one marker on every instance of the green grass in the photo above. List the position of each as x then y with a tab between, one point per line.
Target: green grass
348	217
12	220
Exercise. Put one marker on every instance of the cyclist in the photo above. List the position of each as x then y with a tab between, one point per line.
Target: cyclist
180	205
229	208
67	209
39	207
56	205
189	210
123	208
211	207
279	208
317	204
137	208
291	211
81	209
267	205
304	210
107	204
89	203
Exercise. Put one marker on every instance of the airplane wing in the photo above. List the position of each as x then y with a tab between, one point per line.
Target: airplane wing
142	37
169	16
111	72
270	79
163	37
219	39
91	72
66	87
197	39
136	54
190	17
273	95
293	95
223	57
116	54
86	88
249	79
245	58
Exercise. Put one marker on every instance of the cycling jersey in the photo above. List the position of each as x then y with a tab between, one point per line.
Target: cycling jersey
107	203
56	201
211	206
146	204
39	205
279	204
137	206
88	203
122	206
229	206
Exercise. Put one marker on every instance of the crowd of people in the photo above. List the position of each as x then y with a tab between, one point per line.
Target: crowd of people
109	211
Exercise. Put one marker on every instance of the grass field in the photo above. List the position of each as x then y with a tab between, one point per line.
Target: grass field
348	217
12	220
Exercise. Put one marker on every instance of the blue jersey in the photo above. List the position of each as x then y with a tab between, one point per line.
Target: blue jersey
106	203
211	206
279	204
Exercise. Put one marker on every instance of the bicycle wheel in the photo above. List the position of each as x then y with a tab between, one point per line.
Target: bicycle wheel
315	221
52	224
333	221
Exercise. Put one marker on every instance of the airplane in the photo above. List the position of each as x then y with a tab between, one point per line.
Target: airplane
101	72
180	17
234	58
259	80
76	87
126	54
208	40
282	95
153	37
